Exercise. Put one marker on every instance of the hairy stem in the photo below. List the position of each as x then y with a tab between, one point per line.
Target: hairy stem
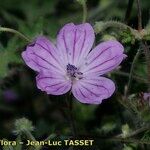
128	11
102	26
129	140
32	138
125	74
136	132
22	36
51	136
70	114
131	71
84	11
29	135
139	15
147	58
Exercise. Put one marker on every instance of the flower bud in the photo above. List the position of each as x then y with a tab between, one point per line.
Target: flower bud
22	125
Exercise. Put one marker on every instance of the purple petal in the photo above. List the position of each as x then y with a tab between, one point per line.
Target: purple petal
146	96
74	42
42	55
53	83
93	90
103	58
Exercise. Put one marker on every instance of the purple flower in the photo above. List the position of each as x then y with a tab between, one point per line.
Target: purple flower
10	95
146	96
70	65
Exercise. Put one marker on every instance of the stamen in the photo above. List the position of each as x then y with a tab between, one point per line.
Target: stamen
73	72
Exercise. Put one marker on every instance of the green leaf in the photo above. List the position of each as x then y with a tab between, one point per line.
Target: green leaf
9	55
6	58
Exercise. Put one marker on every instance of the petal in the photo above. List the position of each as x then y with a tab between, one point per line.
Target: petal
53	83
103	58
146	96
93	90
42	55
74	42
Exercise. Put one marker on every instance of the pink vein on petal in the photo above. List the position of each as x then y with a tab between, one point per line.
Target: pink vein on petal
47	50
45	60
74	44
100	64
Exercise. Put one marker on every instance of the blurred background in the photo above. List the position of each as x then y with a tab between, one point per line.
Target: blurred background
19	96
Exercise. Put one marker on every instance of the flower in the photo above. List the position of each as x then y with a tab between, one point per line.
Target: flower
70	65
10	95
23	125
146	96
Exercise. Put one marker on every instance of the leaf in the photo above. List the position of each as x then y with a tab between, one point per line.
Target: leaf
6	58
9	55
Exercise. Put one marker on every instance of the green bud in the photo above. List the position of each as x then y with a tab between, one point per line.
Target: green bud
99	26
107	37
22	125
125	130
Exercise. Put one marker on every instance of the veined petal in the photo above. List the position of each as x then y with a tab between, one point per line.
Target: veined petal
103	58
92	90
53	83
42	55
74	42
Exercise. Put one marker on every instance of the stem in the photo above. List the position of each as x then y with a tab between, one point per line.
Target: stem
115	24
128	11
142	129
139	15
29	135
50	137
131	71
102	26
71	118
3	29
147	57
128	138
125	140
32	138
84	11
125	74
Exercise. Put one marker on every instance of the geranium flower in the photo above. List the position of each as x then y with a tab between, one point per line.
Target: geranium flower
146	96
72	65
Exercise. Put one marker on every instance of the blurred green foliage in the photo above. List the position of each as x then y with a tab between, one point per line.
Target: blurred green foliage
48	113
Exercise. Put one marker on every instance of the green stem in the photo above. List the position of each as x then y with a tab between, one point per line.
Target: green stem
3	29
70	114
147	58
139	15
84	11
128	11
29	135
129	140
131	71
32	138
50	137
136	132
125	74
102	26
